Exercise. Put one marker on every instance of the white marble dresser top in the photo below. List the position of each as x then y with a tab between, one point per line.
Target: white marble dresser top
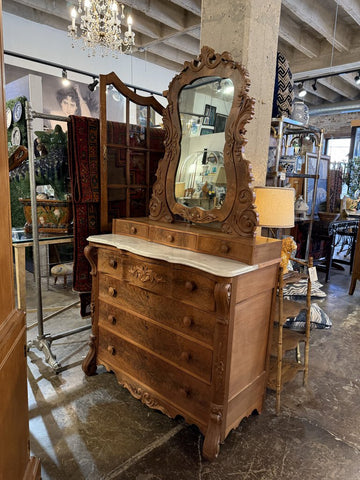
224	267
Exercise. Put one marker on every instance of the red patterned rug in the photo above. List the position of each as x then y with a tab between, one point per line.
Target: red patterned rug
84	167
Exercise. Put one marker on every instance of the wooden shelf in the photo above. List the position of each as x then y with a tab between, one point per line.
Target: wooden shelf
290	309
293	277
290	340
289	371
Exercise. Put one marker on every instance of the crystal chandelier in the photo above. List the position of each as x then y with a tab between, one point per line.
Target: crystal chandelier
100	27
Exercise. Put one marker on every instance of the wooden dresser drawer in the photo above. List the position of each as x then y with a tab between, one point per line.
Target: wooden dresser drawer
179	388
110	261
174	314
222	247
131	228
193	357
169	237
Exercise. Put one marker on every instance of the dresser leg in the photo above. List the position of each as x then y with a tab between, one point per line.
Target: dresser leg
211	447
89	363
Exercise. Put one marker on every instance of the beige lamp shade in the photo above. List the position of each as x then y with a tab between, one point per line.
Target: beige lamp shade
275	206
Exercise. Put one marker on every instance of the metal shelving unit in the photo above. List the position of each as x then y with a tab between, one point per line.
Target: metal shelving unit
284	131
43	340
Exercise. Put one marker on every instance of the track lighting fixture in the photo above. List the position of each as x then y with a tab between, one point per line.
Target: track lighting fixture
302	91
357	79
314	85
92	86
65	80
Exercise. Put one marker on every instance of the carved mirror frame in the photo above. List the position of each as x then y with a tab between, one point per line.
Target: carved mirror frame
237	215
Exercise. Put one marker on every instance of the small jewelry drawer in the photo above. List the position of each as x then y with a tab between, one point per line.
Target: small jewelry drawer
173	238
221	247
131	228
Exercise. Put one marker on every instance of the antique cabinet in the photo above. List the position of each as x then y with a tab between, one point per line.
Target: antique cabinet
182	300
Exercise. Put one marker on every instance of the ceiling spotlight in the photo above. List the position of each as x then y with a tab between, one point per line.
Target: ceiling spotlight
314	85
302	91
92	86
65	80
357	79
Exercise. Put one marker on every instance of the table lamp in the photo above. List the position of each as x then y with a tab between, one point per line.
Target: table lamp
275	207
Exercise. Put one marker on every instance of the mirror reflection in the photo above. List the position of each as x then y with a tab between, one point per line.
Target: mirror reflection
204	107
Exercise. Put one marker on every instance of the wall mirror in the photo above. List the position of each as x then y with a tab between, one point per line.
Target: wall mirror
204	177
204	107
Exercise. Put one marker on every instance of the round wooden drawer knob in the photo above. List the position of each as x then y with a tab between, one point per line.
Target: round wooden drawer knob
185	356
112	291
111	350
133	230
187	321
113	263
170	238
224	248
190	285
112	319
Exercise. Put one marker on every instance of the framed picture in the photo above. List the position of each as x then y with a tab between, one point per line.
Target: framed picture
220	122
322	193
209	115
206	131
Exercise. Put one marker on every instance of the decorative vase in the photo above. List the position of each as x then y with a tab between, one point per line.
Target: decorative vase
300	112
54	216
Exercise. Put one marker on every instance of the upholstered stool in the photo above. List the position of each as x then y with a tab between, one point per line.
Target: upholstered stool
62	270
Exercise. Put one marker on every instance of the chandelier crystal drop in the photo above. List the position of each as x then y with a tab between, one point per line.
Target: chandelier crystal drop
100	27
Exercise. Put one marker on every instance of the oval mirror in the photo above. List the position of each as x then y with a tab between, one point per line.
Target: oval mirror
204	107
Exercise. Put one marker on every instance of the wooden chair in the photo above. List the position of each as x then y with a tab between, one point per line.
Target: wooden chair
282	368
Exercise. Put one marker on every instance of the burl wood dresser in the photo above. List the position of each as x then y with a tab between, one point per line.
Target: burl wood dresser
186	333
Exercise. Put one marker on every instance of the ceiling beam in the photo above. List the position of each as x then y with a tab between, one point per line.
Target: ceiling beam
188	44
172	54
164	12
193	6
158	60
325	63
322	20
298	38
337	84
350	78
52	19
351	7
321	91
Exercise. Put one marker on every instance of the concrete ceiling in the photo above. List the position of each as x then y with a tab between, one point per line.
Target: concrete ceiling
318	37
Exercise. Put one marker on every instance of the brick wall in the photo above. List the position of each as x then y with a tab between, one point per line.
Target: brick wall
335	125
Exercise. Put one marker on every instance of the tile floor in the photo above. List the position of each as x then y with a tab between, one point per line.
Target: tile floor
91	428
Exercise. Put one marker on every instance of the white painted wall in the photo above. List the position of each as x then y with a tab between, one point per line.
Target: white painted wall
49	44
